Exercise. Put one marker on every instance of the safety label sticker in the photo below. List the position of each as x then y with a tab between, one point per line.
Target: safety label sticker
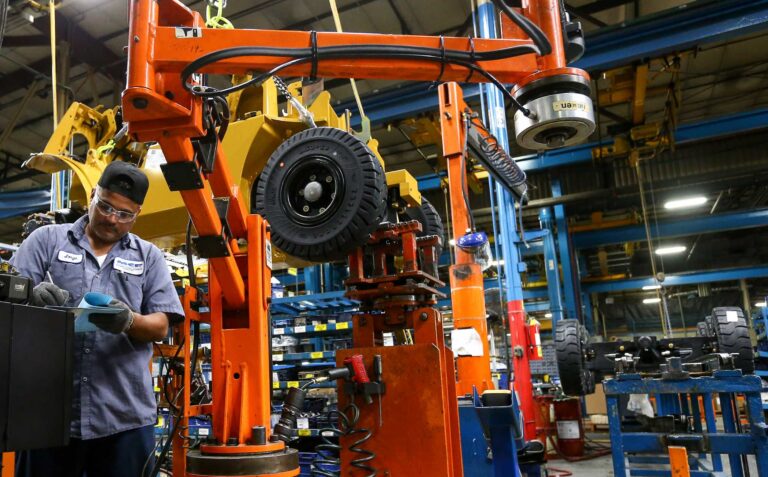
189	32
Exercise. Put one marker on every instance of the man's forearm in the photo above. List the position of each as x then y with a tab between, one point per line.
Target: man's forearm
151	327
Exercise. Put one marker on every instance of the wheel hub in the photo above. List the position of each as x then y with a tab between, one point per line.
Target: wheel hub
312	190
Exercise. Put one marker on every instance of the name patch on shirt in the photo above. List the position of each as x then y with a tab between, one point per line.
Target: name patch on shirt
70	257
128	266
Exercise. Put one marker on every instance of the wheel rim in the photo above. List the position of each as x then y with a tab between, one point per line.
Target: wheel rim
312	190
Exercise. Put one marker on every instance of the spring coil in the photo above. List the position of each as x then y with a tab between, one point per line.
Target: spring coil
504	165
328	459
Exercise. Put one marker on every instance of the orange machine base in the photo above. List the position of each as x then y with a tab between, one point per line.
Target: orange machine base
415	414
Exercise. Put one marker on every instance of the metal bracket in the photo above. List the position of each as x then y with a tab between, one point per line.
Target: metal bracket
205	150
214	246
182	175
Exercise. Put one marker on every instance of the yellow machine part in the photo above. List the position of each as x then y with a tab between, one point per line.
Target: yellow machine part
257	130
407	185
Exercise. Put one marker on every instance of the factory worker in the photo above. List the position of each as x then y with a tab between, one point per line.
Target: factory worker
113	408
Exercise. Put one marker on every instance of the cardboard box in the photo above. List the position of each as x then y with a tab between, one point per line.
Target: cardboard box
595	402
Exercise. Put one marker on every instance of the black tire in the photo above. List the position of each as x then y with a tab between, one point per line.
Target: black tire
733	337
431	224
348	208
570	344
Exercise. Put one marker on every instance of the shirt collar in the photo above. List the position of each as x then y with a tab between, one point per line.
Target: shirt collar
77	232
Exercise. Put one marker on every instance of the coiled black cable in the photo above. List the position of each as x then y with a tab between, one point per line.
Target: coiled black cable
328	451
304	55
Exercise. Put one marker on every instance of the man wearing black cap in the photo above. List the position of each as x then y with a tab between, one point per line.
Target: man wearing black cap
114	409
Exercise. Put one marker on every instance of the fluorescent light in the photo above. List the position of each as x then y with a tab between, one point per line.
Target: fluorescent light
651	301
496	263
548	315
651	287
670	250
686	202
760	304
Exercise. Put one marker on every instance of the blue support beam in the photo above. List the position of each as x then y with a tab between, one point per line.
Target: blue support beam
677	29
570	284
551	265
694	278
672	228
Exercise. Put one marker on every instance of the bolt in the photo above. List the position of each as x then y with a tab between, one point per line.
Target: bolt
328	179
322	209
423	316
140	103
305	208
448	115
671	345
301	191
621	348
312	177
136	38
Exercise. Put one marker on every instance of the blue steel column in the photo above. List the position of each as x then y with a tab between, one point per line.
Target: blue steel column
551	266
496	120
570	285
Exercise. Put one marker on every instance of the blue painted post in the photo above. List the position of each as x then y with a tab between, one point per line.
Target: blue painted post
614	428
709	416
496	120
312	279
570	285
589	320
729	424
756	423
550	264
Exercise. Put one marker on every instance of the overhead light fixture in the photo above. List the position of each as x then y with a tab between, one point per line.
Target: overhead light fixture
672	249
760	304
651	301
651	287
686	202
548	315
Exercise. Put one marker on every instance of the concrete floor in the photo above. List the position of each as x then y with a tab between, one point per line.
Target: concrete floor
603	467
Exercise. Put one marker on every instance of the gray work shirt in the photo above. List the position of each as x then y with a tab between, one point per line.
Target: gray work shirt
113	390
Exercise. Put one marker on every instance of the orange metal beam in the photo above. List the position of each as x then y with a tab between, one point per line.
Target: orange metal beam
466	277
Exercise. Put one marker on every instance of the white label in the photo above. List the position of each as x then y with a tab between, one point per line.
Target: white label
189	32
69	257
551	264
732	315
268	253
130	267
302	423
568	429
278	331
466	342
202	431
569	106
277	357
327	434
300	329
154	158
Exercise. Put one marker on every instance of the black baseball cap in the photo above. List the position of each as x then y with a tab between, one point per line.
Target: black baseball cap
125	179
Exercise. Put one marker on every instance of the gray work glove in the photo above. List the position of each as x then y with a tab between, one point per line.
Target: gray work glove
114	323
48	294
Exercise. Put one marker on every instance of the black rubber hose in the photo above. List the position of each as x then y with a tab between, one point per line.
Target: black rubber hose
529	28
429	54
